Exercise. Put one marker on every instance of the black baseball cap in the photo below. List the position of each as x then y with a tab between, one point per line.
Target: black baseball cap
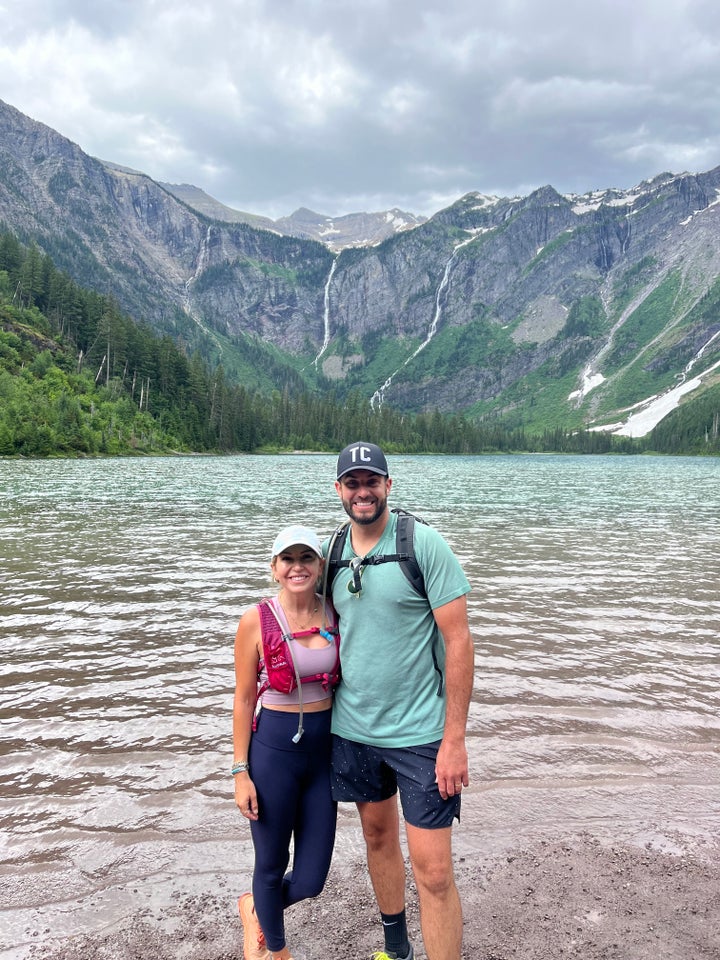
362	456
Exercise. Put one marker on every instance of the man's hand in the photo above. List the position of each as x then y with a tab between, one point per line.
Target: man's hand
451	768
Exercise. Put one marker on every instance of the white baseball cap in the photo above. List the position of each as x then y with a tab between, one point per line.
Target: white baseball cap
295	535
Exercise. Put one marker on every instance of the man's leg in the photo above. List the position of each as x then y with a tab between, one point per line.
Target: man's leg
381	829
440	910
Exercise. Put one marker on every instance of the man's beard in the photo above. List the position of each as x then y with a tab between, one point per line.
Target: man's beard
366	518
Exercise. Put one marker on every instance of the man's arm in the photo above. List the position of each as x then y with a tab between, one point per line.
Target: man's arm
451	769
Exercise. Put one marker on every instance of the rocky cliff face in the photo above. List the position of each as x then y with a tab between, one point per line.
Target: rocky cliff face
492	304
119	232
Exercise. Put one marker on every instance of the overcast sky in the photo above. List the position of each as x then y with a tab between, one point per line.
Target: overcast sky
348	105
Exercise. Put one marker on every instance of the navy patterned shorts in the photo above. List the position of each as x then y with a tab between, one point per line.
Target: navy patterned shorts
362	773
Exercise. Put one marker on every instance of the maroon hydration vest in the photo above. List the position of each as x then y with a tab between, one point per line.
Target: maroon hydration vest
278	661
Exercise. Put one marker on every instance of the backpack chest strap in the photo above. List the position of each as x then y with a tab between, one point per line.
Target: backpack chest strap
374	560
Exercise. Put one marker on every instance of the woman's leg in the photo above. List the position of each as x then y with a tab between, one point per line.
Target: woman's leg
314	827
295	802
277	775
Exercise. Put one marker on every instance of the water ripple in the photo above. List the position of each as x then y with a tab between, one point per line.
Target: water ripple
594	610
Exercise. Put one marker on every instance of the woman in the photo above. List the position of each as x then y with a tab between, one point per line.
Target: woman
282	758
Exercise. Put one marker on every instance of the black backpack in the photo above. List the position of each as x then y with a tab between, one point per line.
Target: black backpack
404	555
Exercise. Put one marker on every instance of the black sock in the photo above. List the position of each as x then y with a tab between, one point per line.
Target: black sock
396	935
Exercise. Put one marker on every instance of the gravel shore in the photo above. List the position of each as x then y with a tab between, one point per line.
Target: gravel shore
576	898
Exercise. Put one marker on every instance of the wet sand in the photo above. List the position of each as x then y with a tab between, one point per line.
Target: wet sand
580	897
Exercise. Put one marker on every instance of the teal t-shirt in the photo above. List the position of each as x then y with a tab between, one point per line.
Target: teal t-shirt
388	694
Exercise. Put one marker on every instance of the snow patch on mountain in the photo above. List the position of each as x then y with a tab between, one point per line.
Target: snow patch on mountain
590	380
590	202
649	412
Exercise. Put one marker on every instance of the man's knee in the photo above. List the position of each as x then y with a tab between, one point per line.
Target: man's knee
431	859
380	823
436	880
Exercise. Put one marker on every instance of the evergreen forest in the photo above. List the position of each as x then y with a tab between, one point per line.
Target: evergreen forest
78	377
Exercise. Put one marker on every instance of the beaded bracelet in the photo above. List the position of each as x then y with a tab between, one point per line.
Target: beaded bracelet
240	766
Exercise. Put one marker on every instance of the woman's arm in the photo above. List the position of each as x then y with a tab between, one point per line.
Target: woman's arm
247	656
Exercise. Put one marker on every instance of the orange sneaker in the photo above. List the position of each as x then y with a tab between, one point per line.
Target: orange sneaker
254	946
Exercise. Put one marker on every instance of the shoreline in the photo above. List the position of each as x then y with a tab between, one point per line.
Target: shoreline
579	896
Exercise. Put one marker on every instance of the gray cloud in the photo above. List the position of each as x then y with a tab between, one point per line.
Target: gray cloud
340	106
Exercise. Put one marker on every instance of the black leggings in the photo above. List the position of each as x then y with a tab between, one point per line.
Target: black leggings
294	802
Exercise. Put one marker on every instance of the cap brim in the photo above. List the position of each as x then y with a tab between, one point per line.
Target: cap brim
369	469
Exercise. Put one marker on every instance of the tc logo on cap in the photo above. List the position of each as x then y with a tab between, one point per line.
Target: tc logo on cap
362	456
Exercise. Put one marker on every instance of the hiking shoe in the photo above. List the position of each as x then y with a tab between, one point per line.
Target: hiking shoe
254	946
382	955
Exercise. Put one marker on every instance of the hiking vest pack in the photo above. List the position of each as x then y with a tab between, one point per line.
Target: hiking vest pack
279	663
404	555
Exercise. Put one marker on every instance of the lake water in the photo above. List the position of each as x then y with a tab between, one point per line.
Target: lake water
595	611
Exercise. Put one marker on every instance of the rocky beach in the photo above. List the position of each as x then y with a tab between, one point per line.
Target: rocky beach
579	897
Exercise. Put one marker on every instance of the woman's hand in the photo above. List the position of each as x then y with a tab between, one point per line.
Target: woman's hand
246	796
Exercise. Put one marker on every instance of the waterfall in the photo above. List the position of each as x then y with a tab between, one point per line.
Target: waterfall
441	290
699	354
326	311
202	262
378	397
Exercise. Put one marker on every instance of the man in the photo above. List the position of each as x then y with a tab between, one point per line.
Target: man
400	713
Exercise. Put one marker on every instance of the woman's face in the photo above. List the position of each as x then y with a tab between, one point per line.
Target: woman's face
297	568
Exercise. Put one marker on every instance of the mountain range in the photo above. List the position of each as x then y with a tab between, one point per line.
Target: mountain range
598	311
350	230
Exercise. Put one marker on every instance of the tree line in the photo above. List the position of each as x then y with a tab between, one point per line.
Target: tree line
80	377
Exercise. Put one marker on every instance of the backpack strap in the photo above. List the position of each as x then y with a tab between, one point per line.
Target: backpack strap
405	541
333	561
264	606
405	545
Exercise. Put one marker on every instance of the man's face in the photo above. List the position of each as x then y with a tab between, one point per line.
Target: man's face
364	495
